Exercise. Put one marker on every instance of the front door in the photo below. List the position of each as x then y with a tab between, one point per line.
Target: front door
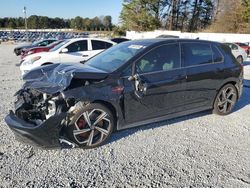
77	52
161	85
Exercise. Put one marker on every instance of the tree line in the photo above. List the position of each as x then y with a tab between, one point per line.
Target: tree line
146	15
43	22
186	15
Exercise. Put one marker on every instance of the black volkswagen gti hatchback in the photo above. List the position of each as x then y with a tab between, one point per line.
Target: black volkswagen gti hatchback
130	84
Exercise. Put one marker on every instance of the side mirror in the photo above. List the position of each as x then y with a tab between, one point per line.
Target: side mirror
140	85
131	78
64	50
134	77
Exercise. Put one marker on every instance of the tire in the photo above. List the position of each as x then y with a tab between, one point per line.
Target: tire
225	100
240	59
96	132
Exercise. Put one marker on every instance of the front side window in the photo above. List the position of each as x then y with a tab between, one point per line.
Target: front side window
196	54
58	46
163	58
100	45
78	46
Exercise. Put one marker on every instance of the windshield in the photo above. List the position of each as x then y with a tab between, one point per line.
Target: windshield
114	57
54	43
56	47
36	43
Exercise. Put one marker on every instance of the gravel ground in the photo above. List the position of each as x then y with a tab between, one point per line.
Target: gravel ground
201	150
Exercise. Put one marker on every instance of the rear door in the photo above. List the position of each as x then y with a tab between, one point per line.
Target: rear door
97	46
205	68
160	71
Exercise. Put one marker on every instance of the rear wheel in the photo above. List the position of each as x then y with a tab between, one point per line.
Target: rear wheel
91	125
240	59
225	100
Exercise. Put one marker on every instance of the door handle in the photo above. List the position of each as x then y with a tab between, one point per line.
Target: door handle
85	55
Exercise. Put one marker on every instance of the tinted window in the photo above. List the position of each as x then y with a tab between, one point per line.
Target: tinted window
196	54
234	47
100	45
78	46
163	58
217	56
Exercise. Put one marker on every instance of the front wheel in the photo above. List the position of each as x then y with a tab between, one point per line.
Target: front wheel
225	100
90	126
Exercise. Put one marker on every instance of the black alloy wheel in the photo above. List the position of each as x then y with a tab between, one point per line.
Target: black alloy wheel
225	100
91	125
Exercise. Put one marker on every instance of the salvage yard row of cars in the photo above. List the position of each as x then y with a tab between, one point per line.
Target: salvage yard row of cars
81	104
82	49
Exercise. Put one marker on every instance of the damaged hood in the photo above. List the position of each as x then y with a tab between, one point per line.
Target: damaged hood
54	78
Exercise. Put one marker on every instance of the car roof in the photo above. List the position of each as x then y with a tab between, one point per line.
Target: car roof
78	39
153	41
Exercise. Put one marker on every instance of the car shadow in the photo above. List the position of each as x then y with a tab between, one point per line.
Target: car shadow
127	132
245	98
244	101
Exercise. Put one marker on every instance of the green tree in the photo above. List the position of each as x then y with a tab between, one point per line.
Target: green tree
33	22
78	22
137	15
107	22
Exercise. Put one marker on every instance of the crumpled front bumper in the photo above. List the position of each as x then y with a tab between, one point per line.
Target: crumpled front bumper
43	135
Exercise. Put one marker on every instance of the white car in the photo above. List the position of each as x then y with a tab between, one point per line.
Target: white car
70	51
238	52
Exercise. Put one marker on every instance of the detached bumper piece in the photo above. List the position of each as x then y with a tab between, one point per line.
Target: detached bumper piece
44	135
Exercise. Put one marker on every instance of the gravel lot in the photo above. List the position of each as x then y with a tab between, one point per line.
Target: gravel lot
201	150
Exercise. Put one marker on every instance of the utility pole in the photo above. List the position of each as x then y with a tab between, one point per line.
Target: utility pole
26	25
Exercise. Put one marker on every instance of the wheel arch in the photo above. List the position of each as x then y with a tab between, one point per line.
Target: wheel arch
111	107
234	83
228	82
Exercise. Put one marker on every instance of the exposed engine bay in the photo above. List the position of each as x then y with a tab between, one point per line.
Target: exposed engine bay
36	107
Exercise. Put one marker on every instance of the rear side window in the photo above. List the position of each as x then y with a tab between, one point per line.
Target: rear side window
163	58
78	46
100	45
196	54
217	56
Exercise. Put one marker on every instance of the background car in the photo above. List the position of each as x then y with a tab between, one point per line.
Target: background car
119	40
30	51
18	49
238	52
245	46
70	51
